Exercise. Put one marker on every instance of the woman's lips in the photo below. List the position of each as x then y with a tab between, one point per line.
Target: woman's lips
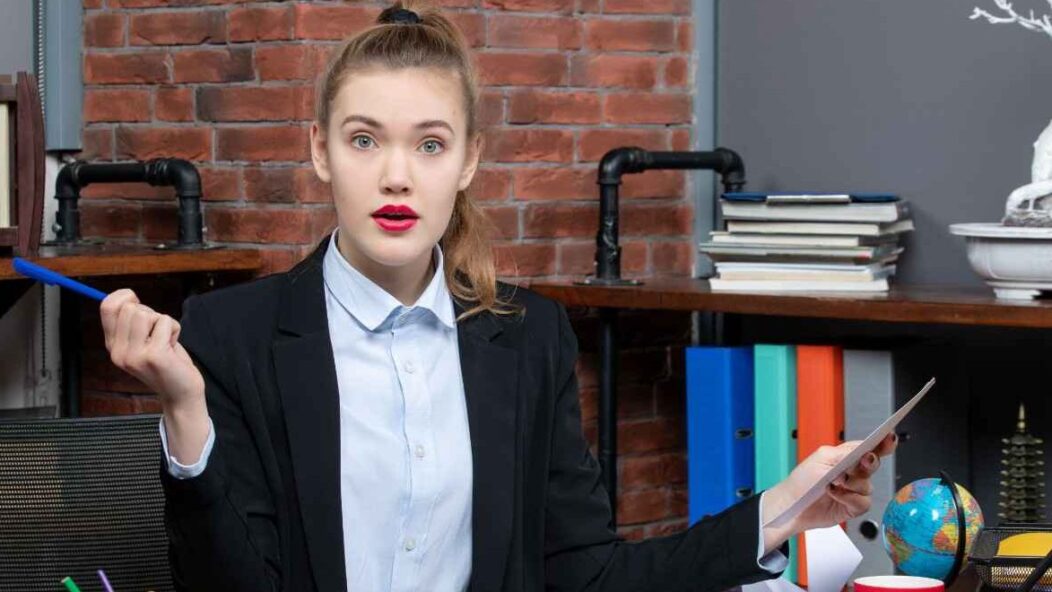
395	218
392	225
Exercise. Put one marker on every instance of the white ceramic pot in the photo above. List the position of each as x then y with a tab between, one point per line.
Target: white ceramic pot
1016	261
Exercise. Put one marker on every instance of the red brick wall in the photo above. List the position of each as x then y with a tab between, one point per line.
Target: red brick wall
229	85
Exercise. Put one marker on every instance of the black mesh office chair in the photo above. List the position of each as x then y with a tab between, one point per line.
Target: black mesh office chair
81	494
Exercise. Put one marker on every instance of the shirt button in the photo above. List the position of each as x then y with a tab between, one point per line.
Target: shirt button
420	451
410	367
410	544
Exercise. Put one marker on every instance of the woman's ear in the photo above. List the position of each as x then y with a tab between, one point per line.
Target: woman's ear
471	162
319	152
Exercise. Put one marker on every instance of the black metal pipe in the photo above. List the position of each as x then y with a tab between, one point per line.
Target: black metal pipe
175	172
607	250
615	164
608	404
69	346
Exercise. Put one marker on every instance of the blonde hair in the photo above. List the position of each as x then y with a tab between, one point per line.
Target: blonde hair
430	42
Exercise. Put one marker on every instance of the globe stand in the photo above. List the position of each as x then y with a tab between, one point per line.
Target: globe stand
962	530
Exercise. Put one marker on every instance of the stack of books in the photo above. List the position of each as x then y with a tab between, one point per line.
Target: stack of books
809	242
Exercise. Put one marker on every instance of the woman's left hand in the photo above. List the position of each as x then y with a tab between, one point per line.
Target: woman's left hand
847	497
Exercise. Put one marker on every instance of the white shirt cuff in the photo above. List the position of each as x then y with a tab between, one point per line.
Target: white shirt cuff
775	561
181	471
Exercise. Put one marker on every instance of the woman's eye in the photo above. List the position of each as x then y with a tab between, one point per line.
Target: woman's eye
363	142
431	147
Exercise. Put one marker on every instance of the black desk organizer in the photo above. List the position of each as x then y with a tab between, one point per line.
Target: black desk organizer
1010	573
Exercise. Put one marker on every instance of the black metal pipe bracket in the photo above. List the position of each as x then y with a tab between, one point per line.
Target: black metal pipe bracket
174	172
627	160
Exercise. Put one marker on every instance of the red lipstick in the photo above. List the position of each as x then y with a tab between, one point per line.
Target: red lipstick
395	218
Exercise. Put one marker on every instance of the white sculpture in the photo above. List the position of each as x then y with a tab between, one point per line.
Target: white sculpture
1014	256
1029	205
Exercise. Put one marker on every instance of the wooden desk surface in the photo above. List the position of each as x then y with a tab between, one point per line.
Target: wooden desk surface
904	304
123	259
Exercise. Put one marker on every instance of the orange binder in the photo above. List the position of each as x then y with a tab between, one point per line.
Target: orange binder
819	411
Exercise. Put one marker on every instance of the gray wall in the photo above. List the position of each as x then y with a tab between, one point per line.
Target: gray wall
16	36
896	95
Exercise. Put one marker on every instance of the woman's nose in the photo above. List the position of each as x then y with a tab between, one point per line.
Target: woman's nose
396	177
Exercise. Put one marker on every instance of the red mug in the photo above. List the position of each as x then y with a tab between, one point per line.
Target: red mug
898	584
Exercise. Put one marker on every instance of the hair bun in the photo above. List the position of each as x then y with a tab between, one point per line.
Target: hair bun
398	16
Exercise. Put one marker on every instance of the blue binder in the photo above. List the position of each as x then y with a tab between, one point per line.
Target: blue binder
720	444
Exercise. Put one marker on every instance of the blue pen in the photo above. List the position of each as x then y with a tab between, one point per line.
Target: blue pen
105	581
45	275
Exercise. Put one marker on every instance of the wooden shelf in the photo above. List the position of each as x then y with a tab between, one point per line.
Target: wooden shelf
904	304
125	260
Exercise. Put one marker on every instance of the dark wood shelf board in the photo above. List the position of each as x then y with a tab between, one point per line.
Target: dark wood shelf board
127	260
903	304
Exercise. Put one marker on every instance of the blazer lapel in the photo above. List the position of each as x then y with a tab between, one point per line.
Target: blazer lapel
490	374
306	375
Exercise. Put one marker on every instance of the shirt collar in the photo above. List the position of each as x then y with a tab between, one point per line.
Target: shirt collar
370	304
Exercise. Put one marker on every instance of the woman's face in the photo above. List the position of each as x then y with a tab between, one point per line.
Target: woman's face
395	152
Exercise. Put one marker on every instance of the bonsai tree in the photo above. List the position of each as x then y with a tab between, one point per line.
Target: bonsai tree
1029	205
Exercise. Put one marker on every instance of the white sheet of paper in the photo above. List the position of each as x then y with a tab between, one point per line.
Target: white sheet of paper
818	489
831	559
775	585
839	560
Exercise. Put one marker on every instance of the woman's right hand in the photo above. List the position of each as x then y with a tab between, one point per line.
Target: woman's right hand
145	344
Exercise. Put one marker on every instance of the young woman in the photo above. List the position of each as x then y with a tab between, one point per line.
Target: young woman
387	416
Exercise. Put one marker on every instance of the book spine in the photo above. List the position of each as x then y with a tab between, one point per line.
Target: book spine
890	212
5	165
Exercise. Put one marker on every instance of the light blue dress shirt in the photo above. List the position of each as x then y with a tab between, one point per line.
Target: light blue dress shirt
405	448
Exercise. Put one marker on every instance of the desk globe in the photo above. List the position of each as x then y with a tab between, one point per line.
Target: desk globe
920	530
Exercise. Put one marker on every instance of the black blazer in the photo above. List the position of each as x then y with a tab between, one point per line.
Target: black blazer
265	513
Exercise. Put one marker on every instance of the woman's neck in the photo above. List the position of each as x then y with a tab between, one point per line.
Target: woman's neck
405	283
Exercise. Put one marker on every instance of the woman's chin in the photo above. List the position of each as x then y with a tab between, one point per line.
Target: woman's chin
400	255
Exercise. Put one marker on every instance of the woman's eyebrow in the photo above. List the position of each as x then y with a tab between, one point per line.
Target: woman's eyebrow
361	119
434	123
376	124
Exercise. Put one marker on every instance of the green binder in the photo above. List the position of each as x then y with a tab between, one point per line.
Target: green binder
775	391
